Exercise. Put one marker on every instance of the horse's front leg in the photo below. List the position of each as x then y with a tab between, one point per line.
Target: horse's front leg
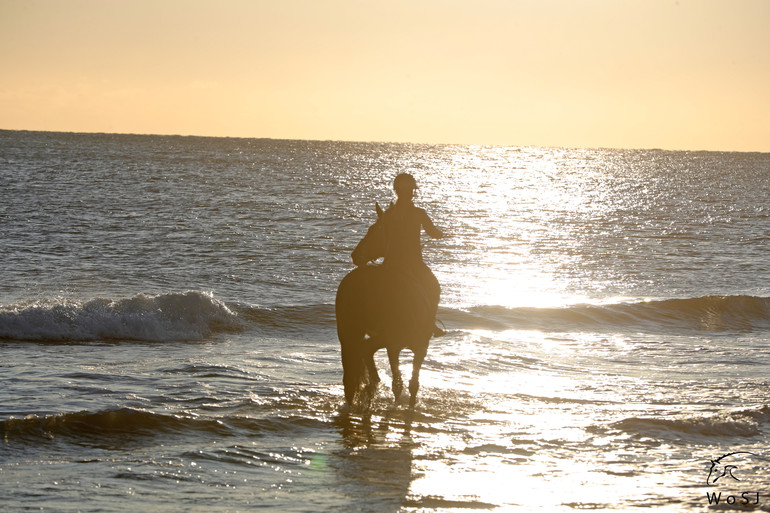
398	384
374	343
374	376
414	383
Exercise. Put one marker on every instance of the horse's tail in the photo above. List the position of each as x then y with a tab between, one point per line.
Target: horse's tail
351	332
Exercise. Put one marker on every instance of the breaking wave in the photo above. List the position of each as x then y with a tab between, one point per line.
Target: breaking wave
188	315
195	315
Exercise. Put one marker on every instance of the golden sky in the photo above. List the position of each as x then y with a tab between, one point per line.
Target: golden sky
686	74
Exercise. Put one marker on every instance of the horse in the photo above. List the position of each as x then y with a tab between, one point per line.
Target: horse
378	307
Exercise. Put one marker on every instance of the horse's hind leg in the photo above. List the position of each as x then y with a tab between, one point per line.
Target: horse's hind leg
398	384
414	383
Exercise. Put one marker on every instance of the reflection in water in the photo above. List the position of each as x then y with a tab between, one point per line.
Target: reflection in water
376	457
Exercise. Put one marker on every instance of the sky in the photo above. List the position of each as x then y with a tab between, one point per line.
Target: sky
680	75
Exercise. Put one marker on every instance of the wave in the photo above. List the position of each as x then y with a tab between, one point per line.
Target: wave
740	423
709	313
291	319
125	423
188	315
194	316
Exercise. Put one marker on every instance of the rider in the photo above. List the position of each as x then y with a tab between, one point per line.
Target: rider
403	223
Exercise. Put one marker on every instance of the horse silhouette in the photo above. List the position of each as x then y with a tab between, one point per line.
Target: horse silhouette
724	466
378	307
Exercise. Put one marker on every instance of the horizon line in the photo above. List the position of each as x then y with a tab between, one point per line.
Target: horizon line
351	141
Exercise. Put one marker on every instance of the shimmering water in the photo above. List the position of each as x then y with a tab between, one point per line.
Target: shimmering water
168	335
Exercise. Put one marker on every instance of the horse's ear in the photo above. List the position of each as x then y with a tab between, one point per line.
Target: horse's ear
379	209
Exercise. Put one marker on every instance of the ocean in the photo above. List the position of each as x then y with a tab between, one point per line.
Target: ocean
168	335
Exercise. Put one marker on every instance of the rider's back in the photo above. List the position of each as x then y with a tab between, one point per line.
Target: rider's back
403	223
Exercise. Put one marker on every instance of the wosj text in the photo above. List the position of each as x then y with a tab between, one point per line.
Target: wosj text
745	498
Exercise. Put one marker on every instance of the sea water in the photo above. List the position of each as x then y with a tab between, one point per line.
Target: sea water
168	337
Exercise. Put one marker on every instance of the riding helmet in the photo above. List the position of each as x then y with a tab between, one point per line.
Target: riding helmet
404	181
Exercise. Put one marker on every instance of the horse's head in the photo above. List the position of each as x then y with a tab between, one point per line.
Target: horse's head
372	246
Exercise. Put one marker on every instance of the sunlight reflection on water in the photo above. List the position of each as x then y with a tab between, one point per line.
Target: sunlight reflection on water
558	385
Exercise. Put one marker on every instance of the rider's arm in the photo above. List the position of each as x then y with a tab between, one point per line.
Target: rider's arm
431	228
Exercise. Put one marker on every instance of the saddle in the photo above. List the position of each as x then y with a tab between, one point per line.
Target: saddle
422	282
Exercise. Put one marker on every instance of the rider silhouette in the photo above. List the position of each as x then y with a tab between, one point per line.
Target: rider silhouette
403	224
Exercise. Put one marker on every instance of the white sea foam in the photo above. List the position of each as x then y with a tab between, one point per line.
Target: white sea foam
188	315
